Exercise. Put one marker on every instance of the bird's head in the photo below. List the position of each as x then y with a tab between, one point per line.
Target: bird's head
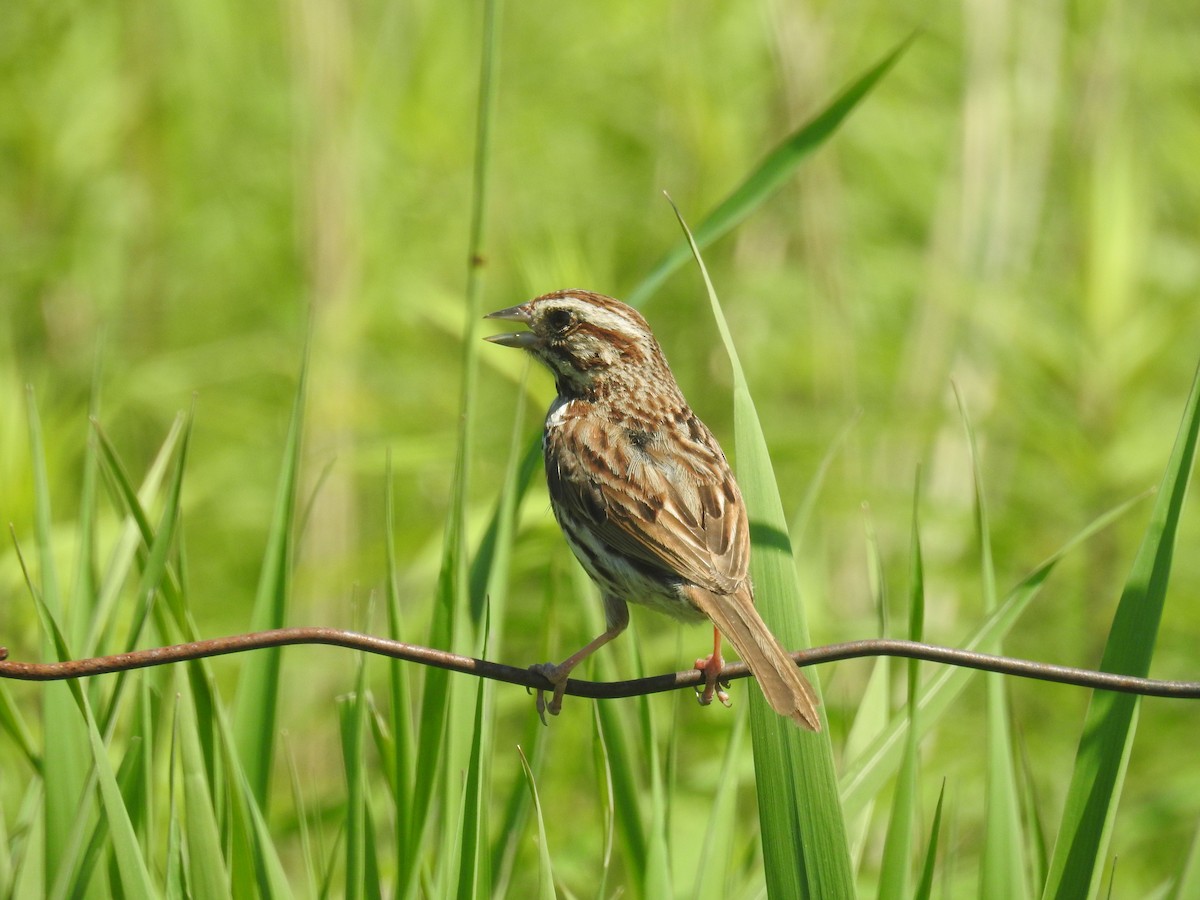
590	342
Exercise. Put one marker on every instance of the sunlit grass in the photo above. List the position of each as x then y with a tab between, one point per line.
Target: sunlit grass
188	190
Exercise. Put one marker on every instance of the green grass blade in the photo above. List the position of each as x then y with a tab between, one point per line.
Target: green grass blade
207	875
453	579
155	576
435	703
607	798
866	774
517	807
258	689
925	884
1188	885
84	592
352	716
1078	859
473	875
545	869
489	577
263	875
13	724
768	175
399	689
656	880
133	875
308	852
136	530
63	758
1002	873
136	780
174	887
628	796
713	872
898	843
489	569
805	849
1035	832
872	712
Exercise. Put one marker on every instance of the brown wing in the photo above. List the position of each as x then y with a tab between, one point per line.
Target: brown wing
670	503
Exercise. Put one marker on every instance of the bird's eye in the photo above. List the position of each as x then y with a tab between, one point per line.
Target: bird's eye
559	320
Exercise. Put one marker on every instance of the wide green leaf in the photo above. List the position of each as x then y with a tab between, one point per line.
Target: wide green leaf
805	849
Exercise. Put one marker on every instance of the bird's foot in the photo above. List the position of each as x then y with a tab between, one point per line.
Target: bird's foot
557	676
711	666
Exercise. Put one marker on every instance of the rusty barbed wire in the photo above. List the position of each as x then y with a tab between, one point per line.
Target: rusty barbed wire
240	643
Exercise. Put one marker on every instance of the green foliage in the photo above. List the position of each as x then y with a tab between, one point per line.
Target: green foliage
196	198
805	851
1107	739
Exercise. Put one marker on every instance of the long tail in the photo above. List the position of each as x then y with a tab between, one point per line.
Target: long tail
786	689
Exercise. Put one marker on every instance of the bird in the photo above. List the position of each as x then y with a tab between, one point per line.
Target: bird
644	494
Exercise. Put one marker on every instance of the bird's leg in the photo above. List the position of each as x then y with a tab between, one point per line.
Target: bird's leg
557	675
711	667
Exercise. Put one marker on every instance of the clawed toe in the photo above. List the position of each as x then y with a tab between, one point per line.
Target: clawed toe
556	677
713	686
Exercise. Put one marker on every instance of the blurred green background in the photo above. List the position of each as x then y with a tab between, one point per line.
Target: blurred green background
1013	211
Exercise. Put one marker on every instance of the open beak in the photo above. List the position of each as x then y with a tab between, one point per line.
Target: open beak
520	339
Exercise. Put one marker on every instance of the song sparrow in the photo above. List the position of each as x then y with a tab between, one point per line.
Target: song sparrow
644	494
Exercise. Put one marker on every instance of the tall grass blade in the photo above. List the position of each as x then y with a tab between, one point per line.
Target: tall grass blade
258	689
206	870
1035	832
545	869
137	534
768	175
627	793
656	879
399	690
352	717
489	569
64	756
925	884
489	579
1077	862
133	875
435	704
473	874
898	843
453	586
510	832
84	592
607	800
155	577
13	724
712	874
805	849
872	714
1003	872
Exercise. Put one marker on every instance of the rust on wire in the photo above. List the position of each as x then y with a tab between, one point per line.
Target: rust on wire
157	656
